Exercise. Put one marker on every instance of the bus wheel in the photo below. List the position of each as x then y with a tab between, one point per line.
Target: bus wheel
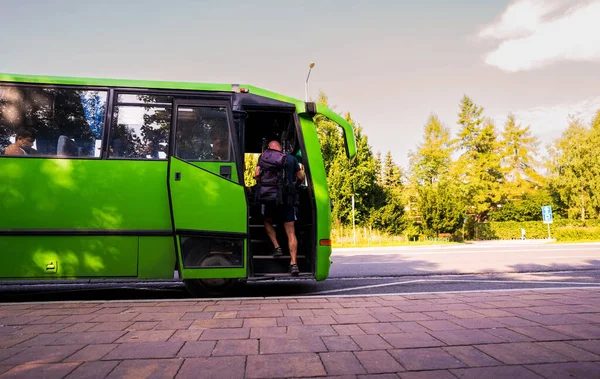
212	286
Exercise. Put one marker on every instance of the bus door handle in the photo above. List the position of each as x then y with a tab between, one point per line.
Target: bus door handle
177	176
225	172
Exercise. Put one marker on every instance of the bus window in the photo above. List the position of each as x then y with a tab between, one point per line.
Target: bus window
202	134
140	131
43	121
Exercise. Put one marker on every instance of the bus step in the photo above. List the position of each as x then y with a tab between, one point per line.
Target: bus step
277	257
281	275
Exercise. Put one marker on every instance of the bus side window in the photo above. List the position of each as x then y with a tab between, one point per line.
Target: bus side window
50	121
203	134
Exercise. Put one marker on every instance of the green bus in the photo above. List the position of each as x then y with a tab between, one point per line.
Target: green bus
110	178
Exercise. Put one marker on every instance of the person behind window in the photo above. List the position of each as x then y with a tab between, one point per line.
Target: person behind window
219	136
23	143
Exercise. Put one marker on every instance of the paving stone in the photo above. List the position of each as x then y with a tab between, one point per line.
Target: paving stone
236	347
507	335
465	337
522	353
146	336
41	370
493	312
260	322
44	328
28	340
587	331
437	374
92	370
465	314
142	325
587	317
289	320
379	328
91	353
385	317
151	316
567	370
478	323
378	376
371	342
570	351
354	319
300	331
284	366
356	311
348	330
411	340
226	314
297	312
111	326
514	321
217	323
440	325
41	354
263	313
5	353
173	325
555	319
378	361
413	316
426	359
195	349
268	332
80	327
410	326
540	333
85	338
501	372
114	317
341	363
471	356
225	334
591	345
317	320
144	350
145	368
340	343
202	316
286	345
185	335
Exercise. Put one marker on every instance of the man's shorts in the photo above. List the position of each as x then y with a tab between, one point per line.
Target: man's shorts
284	212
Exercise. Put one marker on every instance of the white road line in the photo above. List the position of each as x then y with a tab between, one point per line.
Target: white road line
416	253
570	256
507	282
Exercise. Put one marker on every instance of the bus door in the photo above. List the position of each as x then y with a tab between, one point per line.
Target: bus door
208	202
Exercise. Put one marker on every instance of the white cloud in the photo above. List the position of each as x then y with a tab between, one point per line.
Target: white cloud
536	33
548	121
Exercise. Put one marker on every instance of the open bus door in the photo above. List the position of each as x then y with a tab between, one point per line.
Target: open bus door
208	203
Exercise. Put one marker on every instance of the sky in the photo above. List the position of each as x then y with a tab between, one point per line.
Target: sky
390	63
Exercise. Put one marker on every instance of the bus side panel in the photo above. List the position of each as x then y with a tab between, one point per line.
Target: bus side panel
55	194
47	257
319	182
73	198
156	258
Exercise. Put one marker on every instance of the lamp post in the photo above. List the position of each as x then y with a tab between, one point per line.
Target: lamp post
312	64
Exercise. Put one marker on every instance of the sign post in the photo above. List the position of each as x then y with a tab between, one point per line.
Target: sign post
547	217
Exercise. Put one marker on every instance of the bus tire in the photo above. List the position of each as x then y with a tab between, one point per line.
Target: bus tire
212	286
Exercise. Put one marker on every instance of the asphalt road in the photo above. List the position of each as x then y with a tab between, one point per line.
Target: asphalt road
477	258
482	266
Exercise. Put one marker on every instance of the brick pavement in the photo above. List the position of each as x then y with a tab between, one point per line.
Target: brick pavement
512	334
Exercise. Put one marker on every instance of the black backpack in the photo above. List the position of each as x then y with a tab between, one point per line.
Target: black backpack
272	179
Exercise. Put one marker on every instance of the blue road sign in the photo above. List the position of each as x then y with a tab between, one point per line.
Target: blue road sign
547	214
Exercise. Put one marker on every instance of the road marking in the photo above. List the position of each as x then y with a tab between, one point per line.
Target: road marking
570	256
416	253
506	282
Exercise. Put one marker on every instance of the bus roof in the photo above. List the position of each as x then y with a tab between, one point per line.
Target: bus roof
153	84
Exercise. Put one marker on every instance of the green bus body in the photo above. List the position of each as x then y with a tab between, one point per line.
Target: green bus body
73	217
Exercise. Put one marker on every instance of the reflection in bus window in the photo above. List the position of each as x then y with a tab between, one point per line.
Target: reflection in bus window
202	134
43	121
140	132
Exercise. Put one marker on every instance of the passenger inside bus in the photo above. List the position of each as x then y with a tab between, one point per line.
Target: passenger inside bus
23	143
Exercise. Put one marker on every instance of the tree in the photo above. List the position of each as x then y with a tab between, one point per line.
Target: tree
574	165
433	158
479	166
519	150
392	175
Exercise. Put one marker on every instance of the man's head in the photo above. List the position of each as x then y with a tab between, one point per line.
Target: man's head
25	138
220	140
274	145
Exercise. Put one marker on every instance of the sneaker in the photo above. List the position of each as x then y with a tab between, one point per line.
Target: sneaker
277	252
294	270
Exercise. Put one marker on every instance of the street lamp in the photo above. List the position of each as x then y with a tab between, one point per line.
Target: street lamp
312	64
